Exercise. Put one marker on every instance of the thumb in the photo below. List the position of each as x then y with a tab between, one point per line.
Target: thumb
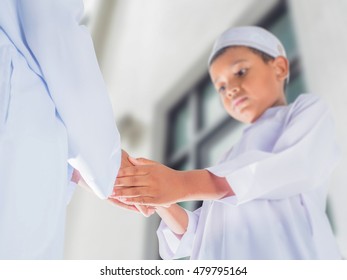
141	161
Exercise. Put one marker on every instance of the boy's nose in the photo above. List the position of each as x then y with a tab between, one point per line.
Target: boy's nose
233	91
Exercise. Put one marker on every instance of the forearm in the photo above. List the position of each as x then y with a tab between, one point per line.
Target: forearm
174	217
203	185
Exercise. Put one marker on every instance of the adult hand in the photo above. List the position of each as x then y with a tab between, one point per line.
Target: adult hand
76	176
144	210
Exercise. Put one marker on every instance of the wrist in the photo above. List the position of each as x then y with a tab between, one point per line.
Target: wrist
190	186
184	190
203	185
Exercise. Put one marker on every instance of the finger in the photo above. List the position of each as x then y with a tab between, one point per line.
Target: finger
132	171
132	181
145	210
141	161
150	212
142	209
123	205
140	200
124	192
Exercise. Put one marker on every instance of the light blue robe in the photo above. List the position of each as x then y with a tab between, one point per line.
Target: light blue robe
54	114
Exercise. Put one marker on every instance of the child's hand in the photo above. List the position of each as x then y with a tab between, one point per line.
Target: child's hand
148	183
154	184
144	210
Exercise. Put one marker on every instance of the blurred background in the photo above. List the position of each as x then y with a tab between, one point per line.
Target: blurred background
153	56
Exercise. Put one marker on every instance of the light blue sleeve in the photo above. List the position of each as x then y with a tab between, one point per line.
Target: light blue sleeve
64	53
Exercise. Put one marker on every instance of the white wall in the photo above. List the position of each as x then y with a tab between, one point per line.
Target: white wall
320	26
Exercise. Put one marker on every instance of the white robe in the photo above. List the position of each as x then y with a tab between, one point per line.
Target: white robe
279	171
54	114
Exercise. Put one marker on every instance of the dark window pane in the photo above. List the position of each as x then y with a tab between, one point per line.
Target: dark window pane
181	124
282	28
189	205
295	88
184	164
212	109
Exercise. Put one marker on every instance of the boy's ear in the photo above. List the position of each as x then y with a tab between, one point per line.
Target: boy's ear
281	66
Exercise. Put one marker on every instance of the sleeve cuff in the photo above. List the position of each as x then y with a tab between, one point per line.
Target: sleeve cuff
239	181
173	247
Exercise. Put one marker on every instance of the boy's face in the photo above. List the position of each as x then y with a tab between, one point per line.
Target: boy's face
246	84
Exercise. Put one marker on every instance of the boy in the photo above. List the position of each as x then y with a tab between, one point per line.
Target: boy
266	198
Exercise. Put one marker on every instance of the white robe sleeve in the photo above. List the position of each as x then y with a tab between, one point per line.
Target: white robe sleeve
173	247
303	158
65	55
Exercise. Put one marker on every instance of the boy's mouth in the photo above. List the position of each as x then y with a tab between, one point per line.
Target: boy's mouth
238	101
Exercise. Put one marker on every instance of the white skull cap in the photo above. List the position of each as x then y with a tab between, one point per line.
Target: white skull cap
249	36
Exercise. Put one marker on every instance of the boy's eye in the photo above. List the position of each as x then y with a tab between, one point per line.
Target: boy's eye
221	89
241	72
